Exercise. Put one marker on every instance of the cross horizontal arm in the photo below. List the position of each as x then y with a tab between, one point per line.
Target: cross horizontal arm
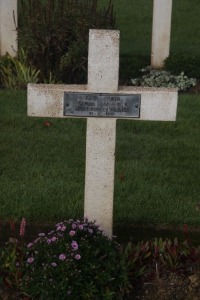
157	104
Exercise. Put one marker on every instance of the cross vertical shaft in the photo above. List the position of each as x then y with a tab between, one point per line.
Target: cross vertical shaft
103	69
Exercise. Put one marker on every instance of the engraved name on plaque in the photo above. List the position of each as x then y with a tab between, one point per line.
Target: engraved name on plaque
102	105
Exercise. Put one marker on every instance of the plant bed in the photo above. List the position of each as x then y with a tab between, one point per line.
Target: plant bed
157	268
195	89
168	287
171	286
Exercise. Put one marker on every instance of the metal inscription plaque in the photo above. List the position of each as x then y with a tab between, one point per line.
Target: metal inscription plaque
102	105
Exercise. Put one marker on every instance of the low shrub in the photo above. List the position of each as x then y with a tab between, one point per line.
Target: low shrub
74	260
177	63
162	78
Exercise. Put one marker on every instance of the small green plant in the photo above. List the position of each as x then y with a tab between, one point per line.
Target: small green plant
162	78
12	259
74	260
15	73
10	272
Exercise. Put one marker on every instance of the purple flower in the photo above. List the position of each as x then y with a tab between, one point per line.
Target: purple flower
62	256
74	245
30	260
59	228
54	239
77	256
30	245
80	227
72	233
74	226
48	241
54	264
41	234
90	230
63	228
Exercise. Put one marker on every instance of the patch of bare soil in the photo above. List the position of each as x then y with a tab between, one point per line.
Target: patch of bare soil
171	287
195	90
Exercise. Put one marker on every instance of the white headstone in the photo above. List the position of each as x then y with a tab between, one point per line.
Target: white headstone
162	11
103	65
8	33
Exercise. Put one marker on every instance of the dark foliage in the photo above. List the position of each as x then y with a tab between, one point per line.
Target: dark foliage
130	66
177	63
55	35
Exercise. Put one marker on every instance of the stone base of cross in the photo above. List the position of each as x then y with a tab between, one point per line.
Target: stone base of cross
102	102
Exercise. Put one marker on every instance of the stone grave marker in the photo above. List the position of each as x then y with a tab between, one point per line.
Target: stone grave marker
102	102
161	31
8	33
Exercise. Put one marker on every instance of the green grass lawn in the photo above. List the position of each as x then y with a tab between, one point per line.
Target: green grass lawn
42	168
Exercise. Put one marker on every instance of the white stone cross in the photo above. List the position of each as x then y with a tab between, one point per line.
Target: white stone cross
161	31
103	67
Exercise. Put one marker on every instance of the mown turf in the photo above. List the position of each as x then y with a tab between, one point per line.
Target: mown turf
42	168
42	172
160	165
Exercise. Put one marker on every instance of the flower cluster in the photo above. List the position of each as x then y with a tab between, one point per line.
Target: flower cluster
162	78
72	228
59	261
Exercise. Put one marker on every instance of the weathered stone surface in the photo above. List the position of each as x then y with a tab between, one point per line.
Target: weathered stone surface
99	173
162	11
103	61
47	100
8	33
